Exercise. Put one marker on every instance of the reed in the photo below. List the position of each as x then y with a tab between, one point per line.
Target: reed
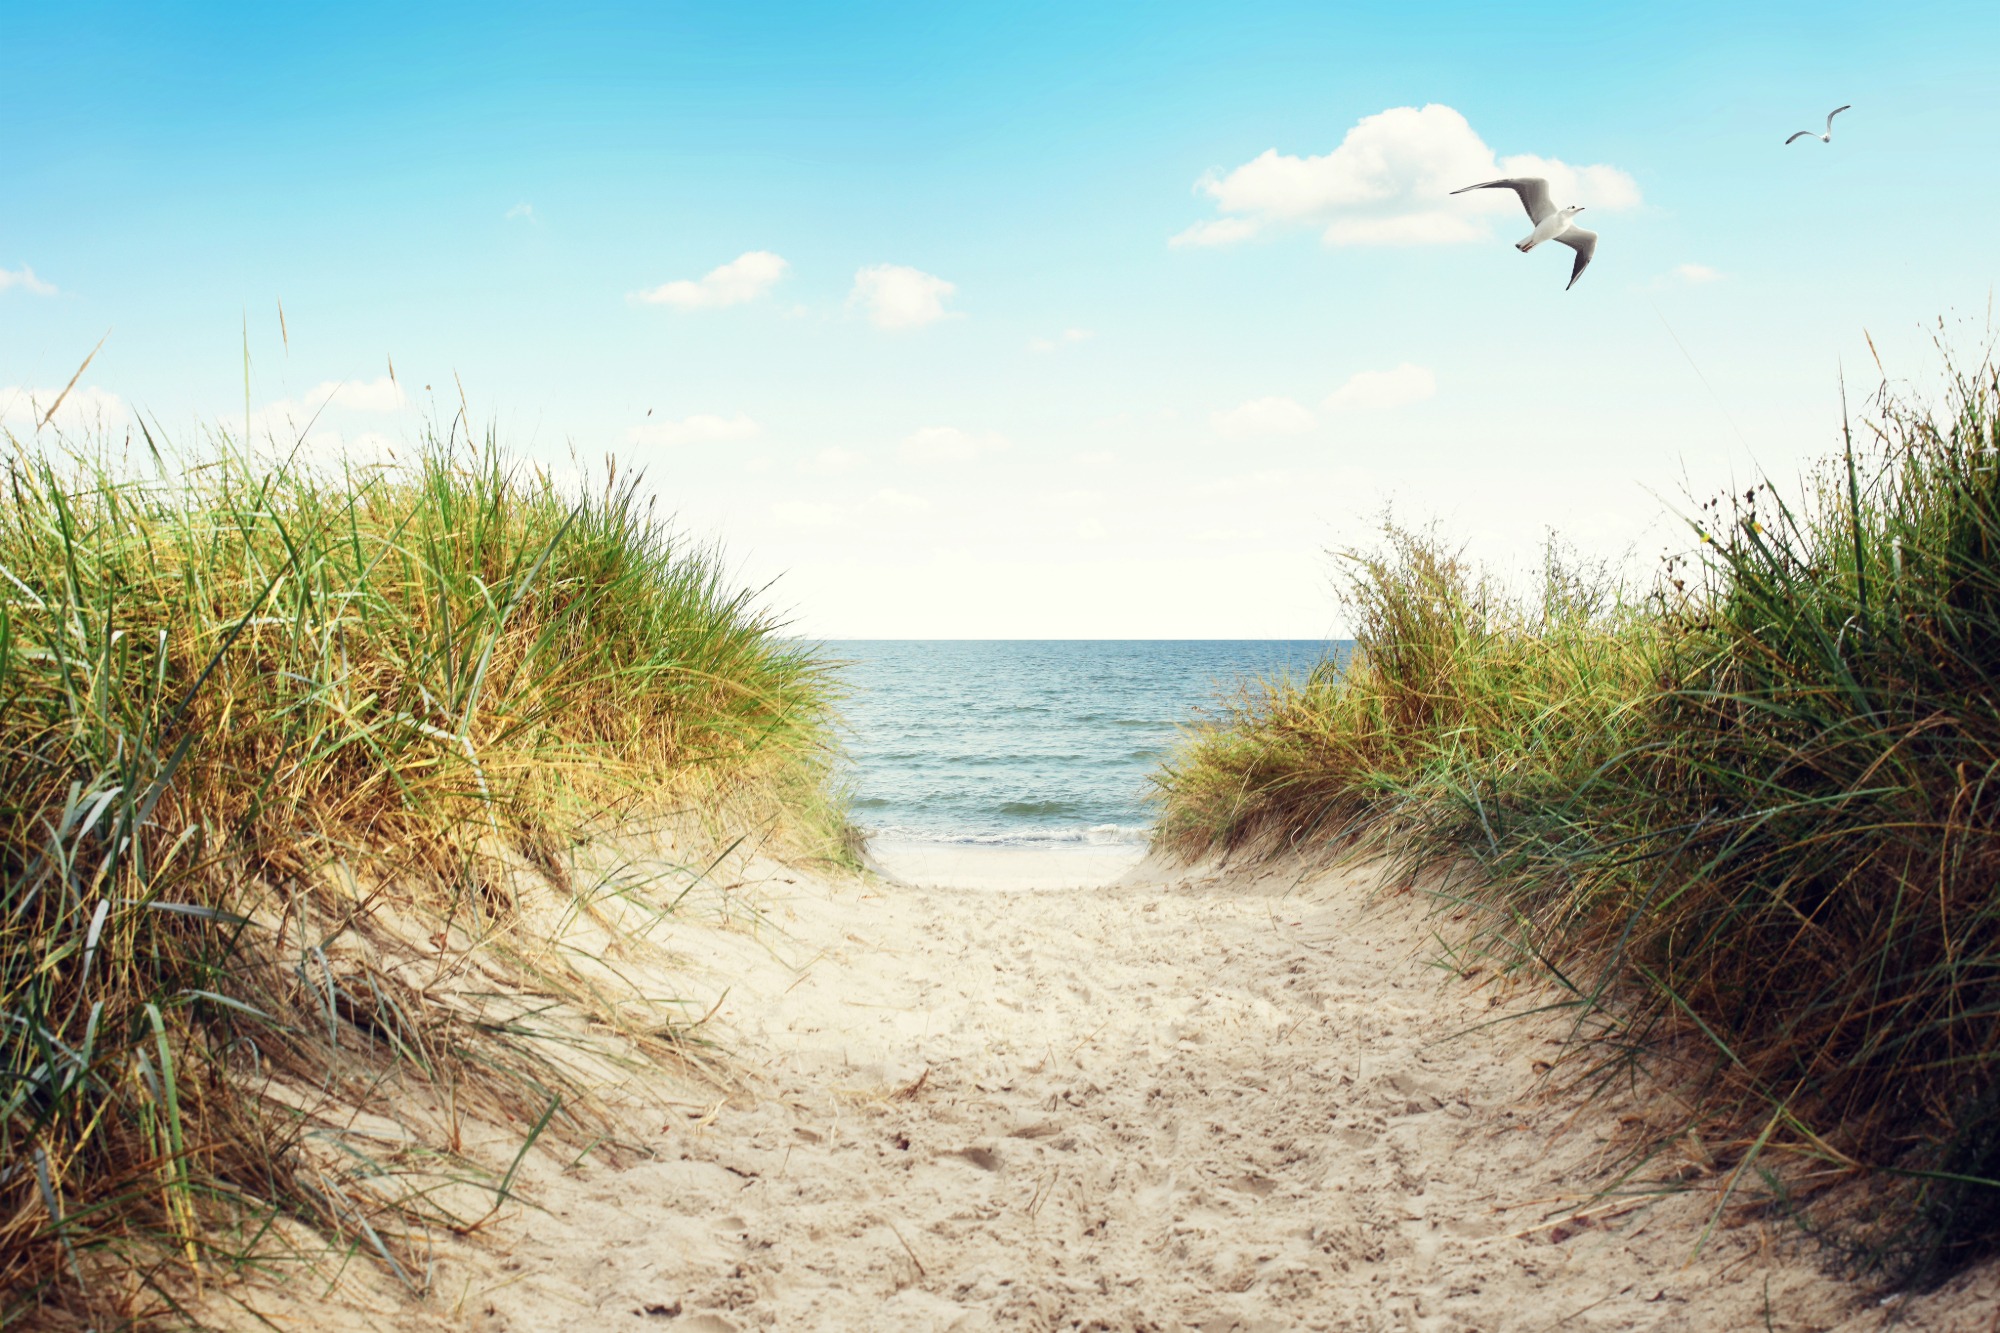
244	709
1753	813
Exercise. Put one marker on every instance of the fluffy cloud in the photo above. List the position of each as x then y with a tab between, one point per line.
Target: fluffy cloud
1389	183
899	297
804	514
829	461
1216	231
744	278
378	395
24	278
1380	390
1269	483
898	502
948	444
702	428
526	211
1063	339
1263	416
292	416
83	410
330	449
1692	275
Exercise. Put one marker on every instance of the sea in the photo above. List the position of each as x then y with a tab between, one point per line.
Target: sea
1031	743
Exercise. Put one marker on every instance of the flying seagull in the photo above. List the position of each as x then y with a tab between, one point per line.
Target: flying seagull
1823	138
1551	223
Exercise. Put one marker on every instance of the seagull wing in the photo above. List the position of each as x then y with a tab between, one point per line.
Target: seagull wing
1585	245
1802	134
1836	111
1534	192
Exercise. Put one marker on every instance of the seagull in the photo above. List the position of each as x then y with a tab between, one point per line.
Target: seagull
1551	223
1823	138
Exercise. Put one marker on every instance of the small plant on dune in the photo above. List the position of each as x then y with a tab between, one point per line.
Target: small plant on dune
241	708
1759	814
1457	695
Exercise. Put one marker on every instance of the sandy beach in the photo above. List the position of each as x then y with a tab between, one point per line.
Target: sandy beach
1204	1098
995	667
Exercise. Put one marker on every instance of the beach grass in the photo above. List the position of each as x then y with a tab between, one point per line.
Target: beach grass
1748	812
247	708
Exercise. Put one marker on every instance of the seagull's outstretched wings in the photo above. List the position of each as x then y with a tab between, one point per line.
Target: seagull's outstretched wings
1828	136
1585	245
1534	192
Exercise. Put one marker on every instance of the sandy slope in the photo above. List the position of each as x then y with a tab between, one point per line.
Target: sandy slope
1186	1101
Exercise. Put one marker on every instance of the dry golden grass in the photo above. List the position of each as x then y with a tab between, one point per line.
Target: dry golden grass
261	731
1755	815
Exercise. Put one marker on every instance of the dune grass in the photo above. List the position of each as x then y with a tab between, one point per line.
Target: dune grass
1458	695
1752	812
225	688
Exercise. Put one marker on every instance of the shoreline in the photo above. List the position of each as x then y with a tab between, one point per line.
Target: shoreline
1004	866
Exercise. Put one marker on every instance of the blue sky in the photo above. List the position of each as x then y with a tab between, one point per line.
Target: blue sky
967	382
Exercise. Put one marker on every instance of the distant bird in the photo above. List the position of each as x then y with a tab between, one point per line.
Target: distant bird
1551	223
1823	138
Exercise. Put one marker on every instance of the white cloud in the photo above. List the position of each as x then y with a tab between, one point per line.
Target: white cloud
899	297
948	444
1692	275
522	210
901	502
805	514
1216	231
84	410
1263	416
1408	229
1063	339
377	395
1071	500
1380	390
1389	183
744	278
1264	482
829	461
24	278
702	428
330	449
291	416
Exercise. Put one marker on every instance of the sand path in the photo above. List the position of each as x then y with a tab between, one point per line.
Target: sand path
1182	1102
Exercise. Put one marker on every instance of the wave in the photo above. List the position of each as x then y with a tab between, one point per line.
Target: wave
1094	835
1040	808
1025	744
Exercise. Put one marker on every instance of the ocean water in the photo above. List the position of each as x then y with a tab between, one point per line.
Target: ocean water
1030	742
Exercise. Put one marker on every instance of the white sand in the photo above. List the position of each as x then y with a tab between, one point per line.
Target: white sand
1015	868
1188	1101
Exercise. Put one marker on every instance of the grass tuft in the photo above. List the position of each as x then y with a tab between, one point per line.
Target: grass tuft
1757	808
245	711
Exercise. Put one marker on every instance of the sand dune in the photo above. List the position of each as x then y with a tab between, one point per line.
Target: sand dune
1194	1099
